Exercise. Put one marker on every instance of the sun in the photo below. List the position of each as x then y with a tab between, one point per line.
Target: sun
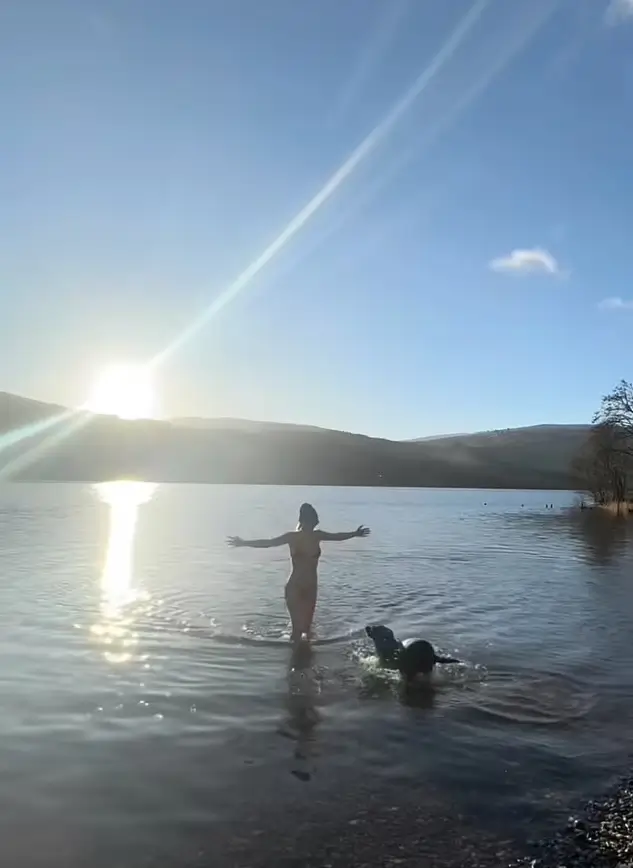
123	390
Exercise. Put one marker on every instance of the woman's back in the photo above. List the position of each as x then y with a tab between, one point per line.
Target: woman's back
305	550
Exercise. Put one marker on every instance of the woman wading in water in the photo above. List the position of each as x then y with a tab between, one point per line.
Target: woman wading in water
305	550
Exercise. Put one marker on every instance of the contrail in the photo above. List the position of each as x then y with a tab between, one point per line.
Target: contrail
376	46
334	182
511	49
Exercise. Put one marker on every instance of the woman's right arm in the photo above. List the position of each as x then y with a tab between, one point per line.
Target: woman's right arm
238	542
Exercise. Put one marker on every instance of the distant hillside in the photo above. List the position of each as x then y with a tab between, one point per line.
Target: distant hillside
34	446
541	449
435	437
243	425
16	410
499	435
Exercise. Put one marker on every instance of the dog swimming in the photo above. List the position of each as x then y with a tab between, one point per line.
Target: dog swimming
410	657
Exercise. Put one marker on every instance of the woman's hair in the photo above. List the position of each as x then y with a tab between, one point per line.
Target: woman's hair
308	517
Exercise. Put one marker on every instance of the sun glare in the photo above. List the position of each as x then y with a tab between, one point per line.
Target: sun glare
125	391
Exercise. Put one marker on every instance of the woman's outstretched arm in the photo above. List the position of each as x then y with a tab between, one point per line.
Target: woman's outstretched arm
238	542
341	537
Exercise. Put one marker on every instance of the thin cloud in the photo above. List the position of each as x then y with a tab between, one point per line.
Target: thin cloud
619	11
616	303
532	261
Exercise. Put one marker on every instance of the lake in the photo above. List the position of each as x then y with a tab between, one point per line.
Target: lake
151	714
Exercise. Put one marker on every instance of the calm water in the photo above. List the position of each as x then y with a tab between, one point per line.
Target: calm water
150	713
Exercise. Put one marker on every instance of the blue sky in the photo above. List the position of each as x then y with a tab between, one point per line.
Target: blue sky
471	270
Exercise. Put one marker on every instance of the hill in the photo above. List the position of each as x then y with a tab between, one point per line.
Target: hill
42	441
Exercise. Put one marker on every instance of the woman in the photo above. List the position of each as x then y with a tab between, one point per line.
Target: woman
305	550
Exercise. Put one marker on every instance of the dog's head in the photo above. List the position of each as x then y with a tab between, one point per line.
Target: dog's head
383	639
378	632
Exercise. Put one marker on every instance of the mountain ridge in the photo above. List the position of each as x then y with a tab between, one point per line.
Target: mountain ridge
226	450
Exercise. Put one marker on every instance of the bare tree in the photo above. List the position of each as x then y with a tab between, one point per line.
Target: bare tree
600	467
605	465
616	411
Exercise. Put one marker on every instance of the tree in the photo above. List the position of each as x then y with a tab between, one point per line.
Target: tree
616	411
606	463
600	466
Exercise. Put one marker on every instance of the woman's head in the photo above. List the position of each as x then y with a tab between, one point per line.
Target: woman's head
308	517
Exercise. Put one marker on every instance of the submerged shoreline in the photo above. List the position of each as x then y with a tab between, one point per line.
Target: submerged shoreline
381	833
376	831
600	836
372	830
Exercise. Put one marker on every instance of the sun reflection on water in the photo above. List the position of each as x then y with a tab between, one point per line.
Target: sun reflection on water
115	629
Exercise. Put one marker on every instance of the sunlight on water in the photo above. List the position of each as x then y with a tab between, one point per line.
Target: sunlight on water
118	590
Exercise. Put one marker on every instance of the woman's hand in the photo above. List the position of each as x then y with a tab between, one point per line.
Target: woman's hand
235	542
362	531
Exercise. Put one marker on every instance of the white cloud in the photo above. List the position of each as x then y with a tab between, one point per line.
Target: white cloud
534	261
616	303
619	11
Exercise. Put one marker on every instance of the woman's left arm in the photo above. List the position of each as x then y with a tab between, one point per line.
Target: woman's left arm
341	537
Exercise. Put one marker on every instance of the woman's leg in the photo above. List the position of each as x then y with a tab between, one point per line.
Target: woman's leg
306	604
293	604
309	605
301	604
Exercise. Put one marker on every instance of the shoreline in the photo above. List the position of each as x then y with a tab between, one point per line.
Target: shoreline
600	836
381	833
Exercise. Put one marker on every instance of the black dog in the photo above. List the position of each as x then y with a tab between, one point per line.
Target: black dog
411	657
